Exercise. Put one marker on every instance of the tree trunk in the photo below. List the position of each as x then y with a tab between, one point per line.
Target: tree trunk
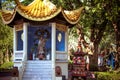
96	40
1	58
118	32
94	59
7	55
116	25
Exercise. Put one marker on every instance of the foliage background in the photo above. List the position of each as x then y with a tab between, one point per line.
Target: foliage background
6	43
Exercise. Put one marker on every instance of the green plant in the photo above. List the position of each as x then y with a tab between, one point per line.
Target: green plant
7	65
107	76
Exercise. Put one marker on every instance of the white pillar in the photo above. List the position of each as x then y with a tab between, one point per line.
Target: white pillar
53	49
14	42
66	50
66	41
25	39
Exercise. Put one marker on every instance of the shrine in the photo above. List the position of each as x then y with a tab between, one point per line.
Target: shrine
40	41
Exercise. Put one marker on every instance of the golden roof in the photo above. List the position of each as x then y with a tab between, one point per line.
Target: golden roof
7	16
41	10
72	16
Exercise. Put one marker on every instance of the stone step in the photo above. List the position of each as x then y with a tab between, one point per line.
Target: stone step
39	62
38	75
37	78
39	67
38	70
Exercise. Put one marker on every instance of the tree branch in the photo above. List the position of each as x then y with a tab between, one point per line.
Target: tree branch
101	31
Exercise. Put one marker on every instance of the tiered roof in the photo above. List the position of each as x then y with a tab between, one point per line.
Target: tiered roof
40	10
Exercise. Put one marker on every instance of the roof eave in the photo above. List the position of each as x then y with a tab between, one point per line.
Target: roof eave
8	16
39	19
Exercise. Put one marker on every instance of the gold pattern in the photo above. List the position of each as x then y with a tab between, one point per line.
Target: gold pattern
41	10
37	9
19	27
72	16
62	27
7	16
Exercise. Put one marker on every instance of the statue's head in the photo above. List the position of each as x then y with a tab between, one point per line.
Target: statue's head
42	34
